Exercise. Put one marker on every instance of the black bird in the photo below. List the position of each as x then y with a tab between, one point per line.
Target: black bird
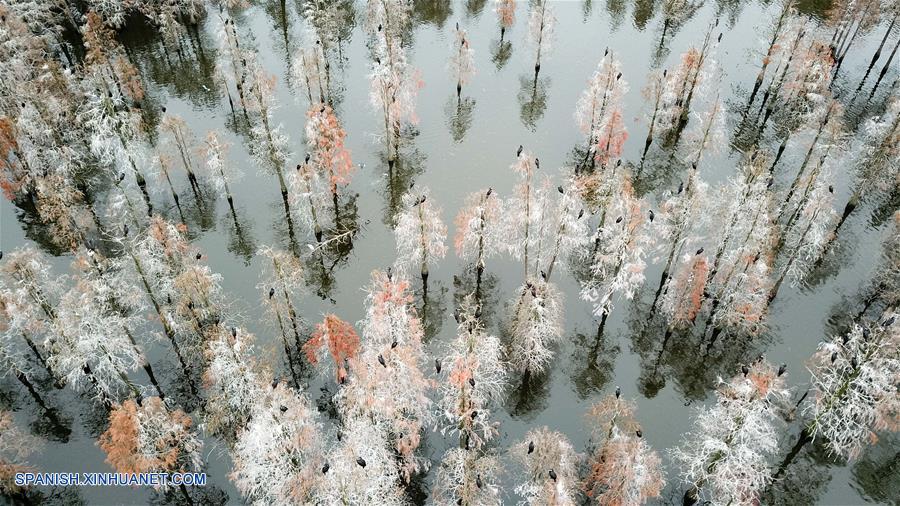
537	162
890	321
665	71
169	299
394	344
459	502
472	382
283	408
1	254
830	188
307	158
618	76
121	176
325	468
552	474
580	214
699	251
745	369
680	187
519	151
854	363
379	27
490	190
618	391
560	189
782	369
474	414
361	461
865	334
422	200
530	447
340	435
833	357
543	275
191	305
619	219
233	332
720	37
381	361
125	230
437	365
478	480
770	182
606	51
652	216
638	433
198	256
271	292
390	274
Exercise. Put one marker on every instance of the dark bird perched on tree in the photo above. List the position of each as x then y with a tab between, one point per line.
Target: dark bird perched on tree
271	292
782	369
865	334
233	332
474	414
307	158
1	254
543	275
833	357
478	480
618	391
699	251
830	188
125	230
390	274
680	188
169	299
361	461
437	365
580	214
530	447
552	474
283	408
618	76
890	321
490	190
560	189
121	176
639	433
854	363
394	344
651	215
381	361
619	219
472	382
519	151
198	255
745	369
325	468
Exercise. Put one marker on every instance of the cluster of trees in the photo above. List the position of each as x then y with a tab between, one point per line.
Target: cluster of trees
77	149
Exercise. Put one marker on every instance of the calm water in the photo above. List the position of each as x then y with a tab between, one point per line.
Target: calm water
456	156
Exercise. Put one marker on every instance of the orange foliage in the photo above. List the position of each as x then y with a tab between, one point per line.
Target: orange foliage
341	339
330	154
611	139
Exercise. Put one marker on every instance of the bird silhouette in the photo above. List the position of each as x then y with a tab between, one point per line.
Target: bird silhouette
437	365
834	357
618	391
283	408
271	292
638	433
233	332
652	215
700	251
580	214
472	382
381	361
560	189
890	321
619	219
552	474
361	461
490	190
197	256
394	344
745	369
478	480
325	468
519	151
530	447
782	369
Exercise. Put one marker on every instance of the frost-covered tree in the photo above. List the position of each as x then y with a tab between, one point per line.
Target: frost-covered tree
234	381
282	282
541	25
622	242
854	387
308	197
462	60
333	339
623	469
277	456
506	15
387	384
599	112
420	233
271	147
394	83
222	173
309	73
360	468
535	326
231	63
707	133
476	378
182	140
549	468
726	457
480	231
149	437
329	156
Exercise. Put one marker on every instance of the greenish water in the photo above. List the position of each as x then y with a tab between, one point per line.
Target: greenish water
454	157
